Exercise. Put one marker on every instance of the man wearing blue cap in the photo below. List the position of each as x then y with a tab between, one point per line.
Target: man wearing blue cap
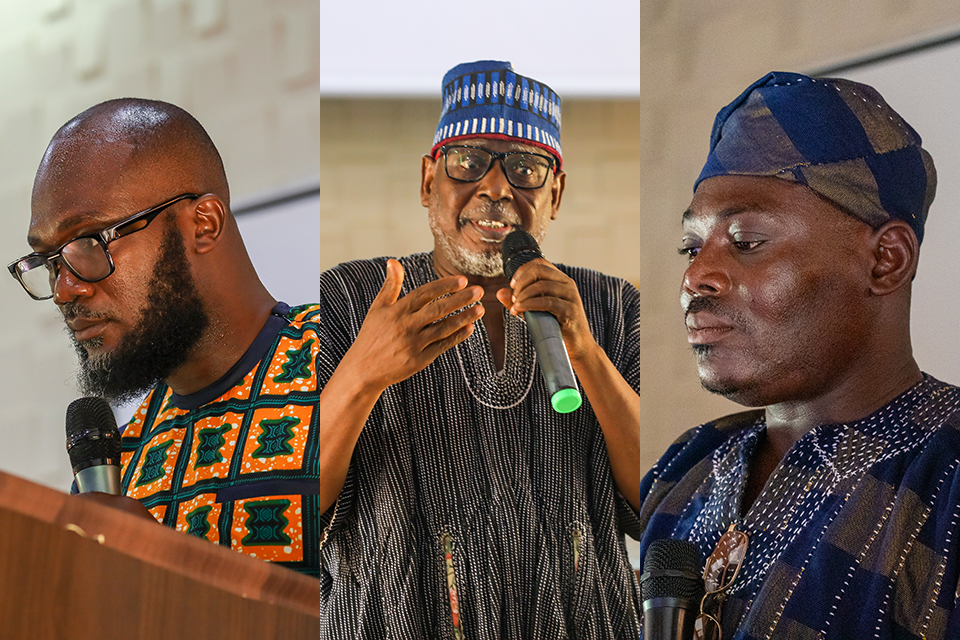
833	511
461	505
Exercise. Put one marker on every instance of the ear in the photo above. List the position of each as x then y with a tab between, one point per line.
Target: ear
208	222
428	169
556	192
896	254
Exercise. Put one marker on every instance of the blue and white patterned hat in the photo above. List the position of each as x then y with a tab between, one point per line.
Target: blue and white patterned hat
487	99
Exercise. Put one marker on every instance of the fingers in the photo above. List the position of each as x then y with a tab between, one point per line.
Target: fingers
429	302
445	331
539	286
440	346
536	271
392	285
545	289
505	296
437	309
427	293
435	300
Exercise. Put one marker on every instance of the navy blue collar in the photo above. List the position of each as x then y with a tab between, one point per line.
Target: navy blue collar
254	354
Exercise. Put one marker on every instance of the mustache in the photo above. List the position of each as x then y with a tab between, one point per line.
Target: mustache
701	303
716	307
71	310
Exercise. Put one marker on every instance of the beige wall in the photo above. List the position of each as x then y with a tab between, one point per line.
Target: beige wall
248	70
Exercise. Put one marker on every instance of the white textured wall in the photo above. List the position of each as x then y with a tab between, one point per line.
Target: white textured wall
249	70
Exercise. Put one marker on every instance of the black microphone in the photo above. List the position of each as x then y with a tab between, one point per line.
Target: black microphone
519	248
671	587
93	443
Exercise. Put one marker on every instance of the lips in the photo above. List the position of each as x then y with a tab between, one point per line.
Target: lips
490	230
86	328
704	327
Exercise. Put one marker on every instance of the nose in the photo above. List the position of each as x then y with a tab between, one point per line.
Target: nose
494	184
708	274
68	287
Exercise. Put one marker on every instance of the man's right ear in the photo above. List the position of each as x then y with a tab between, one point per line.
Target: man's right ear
896	254
428	170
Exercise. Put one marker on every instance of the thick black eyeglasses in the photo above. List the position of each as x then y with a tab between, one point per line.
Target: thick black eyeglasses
86	257
721	570
523	170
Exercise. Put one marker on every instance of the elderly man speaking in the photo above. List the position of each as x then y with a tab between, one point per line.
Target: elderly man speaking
461	504
833	511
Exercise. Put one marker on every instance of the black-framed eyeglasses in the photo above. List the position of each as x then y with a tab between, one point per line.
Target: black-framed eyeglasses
523	170
87	257
720	571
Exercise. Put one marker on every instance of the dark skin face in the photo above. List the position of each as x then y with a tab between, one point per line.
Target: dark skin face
474	217
793	305
120	158
775	291
478	215
83	196
86	183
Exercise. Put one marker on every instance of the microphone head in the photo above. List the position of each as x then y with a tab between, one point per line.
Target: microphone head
519	248
671	569
92	434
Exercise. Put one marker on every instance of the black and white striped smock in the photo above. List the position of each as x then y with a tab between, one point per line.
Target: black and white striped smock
471	509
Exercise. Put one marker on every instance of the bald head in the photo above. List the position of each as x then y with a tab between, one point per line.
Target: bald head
135	139
183	299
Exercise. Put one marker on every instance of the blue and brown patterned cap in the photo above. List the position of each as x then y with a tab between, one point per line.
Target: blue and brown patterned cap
487	99
835	136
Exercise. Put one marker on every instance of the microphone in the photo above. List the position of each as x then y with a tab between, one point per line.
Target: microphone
519	248
671	587
93	443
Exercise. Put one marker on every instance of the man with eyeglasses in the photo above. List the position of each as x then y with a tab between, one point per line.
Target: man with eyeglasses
466	507
134	241
833	511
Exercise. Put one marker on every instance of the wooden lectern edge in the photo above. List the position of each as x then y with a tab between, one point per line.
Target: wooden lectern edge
161	546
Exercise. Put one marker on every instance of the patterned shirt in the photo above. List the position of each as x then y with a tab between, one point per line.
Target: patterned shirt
854	535
234	463
472	509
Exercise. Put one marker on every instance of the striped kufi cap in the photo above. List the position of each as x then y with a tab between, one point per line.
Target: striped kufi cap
487	99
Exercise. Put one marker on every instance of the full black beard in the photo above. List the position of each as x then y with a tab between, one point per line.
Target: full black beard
168	329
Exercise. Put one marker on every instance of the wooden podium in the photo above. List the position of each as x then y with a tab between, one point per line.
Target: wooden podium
75	570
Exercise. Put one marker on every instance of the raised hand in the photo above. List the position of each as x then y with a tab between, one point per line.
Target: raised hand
401	336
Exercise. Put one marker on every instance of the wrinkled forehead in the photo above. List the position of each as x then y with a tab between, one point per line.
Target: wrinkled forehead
721	202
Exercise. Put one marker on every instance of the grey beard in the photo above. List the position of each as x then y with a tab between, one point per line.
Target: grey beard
483	264
486	264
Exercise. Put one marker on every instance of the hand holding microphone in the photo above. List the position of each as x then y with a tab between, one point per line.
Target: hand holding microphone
519	248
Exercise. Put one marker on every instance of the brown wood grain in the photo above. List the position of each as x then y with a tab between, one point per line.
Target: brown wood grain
71	569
